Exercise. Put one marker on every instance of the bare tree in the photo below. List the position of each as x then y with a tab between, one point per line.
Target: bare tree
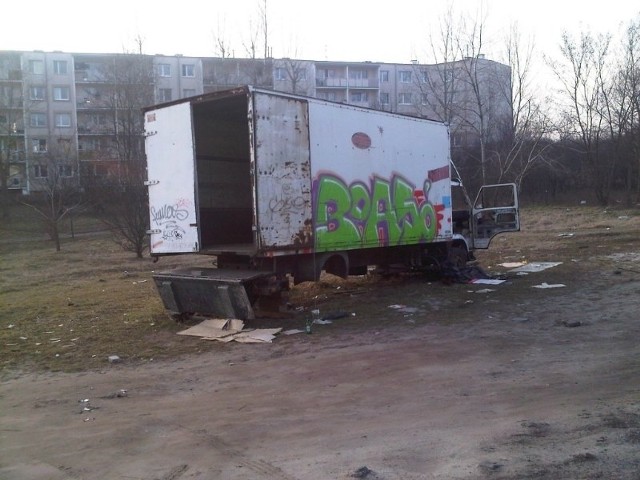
526	133
436	83
122	198
626	91
294	72
582	76
462	88
58	192
221	45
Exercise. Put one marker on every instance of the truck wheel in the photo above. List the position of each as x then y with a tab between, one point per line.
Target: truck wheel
457	257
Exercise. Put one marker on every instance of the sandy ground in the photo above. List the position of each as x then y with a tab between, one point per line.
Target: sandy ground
515	383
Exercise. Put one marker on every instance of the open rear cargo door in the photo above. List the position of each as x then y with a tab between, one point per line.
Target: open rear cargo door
171	180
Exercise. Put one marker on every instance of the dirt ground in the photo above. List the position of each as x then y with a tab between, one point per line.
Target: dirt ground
425	381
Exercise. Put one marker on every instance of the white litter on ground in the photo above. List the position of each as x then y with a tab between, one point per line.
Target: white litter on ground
535	267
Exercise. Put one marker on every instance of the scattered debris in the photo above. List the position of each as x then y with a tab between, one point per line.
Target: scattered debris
119	394
292	331
488	281
337	315
362	472
485	290
452	274
114	359
490	466
536	267
512	264
572	323
562	235
404	308
319	321
546	285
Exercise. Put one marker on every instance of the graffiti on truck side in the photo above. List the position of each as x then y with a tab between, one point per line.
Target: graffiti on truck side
384	213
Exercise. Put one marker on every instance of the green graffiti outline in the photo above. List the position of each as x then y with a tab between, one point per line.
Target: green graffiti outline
384	214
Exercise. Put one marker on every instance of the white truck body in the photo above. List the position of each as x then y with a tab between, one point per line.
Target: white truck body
293	185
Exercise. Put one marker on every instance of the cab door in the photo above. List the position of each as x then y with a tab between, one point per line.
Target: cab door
495	211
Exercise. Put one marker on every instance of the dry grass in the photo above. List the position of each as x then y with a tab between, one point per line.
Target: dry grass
70	310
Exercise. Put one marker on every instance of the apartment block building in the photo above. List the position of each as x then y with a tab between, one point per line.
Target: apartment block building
76	108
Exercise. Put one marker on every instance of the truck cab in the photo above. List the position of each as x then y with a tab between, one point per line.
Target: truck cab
495	210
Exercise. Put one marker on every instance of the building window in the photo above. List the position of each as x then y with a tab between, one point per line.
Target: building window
40	171
359	97
164	95
384	98
164	70
36	67
188	70
63	119
188	92
99	119
425	99
405	76
61	93
404	99
425	76
36	93
38	120
281	74
65	171
39	145
301	74
60	67
384	75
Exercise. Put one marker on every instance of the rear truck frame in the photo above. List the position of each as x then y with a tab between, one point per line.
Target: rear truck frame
280	188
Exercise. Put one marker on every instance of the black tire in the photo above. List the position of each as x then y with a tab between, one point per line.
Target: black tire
457	257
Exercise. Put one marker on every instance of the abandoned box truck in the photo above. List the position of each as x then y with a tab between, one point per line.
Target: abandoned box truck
280	187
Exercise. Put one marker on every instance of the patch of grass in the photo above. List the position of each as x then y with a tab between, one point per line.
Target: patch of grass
70	310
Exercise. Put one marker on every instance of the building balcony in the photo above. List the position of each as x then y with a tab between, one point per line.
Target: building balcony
332	83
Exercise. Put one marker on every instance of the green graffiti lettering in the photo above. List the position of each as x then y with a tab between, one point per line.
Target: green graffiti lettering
388	214
416	225
333	227
382	225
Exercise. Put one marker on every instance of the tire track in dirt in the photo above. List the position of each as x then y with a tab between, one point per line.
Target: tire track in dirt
259	466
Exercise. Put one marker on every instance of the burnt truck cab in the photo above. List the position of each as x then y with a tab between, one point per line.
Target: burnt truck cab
494	211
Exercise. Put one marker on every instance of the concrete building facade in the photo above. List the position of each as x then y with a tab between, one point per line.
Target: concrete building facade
72	106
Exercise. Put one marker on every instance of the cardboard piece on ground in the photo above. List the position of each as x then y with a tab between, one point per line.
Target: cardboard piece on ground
535	266
263	335
214	328
512	264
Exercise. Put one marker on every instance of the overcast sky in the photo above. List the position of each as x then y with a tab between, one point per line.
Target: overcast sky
348	30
